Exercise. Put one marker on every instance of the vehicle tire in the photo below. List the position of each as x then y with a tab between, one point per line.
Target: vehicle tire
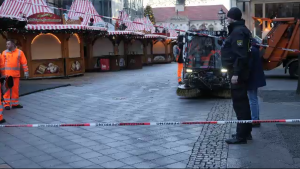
293	69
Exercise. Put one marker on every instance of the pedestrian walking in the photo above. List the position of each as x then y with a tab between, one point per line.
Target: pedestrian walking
11	61
235	58
257	79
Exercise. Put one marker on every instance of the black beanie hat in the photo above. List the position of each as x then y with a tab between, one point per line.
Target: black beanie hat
235	13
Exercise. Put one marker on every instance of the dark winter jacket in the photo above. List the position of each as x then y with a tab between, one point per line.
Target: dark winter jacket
257	76
180	45
235	50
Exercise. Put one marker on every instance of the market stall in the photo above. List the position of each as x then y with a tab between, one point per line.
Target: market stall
102	45
52	44
162	51
109	52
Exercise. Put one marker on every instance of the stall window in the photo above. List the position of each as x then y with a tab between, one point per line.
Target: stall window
258	13
159	48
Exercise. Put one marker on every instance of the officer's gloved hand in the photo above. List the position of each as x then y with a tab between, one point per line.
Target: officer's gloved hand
220	42
26	74
234	79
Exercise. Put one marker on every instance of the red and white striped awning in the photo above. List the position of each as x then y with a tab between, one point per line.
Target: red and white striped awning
85	7
124	33
63	27
170	28
18	8
153	36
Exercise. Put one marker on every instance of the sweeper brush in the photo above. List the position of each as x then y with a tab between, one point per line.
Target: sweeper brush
194	92
188	92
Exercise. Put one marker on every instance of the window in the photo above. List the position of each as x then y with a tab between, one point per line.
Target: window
283	10
65	4
202	27
103	7
258	13
193	27
211	27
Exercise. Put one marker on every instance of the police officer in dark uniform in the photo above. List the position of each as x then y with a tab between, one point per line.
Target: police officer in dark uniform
235	58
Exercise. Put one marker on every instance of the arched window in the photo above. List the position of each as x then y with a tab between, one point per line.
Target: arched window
202	27
211	27
193	27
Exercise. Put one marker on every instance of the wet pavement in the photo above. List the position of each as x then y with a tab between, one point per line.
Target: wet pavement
146	95
273	145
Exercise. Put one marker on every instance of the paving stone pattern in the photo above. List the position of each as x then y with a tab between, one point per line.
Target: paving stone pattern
210	150
277	96
142	95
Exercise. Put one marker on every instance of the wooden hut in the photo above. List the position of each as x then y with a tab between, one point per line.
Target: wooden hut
53	45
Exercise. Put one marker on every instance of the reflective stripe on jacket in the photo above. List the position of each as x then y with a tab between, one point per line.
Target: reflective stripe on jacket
206	59
11	61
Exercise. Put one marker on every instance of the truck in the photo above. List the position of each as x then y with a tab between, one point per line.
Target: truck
283	44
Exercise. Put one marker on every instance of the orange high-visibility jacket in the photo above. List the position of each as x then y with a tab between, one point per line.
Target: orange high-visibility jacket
206	59
12	61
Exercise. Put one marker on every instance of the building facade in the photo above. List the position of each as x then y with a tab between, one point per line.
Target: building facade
183	17
266	9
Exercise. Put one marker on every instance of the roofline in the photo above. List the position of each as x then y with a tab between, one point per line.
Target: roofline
190	6
195	20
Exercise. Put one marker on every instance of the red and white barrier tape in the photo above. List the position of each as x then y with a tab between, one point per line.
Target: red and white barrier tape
218	37
154	123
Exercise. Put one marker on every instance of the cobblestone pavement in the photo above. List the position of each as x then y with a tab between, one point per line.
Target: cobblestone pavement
210	150
142	95
272	146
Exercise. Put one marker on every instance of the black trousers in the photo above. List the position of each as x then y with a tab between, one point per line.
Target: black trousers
242	109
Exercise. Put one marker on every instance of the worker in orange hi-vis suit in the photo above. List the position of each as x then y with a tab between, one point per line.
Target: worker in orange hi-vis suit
11	61
2	120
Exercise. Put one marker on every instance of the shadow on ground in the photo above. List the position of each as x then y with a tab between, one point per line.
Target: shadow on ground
29	88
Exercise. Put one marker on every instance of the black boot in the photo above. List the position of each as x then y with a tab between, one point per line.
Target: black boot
180	83
236	141
17	106
248	138
2	121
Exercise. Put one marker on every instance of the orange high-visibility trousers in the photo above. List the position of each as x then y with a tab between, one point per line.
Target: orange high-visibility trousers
1	107
11	97
179	71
